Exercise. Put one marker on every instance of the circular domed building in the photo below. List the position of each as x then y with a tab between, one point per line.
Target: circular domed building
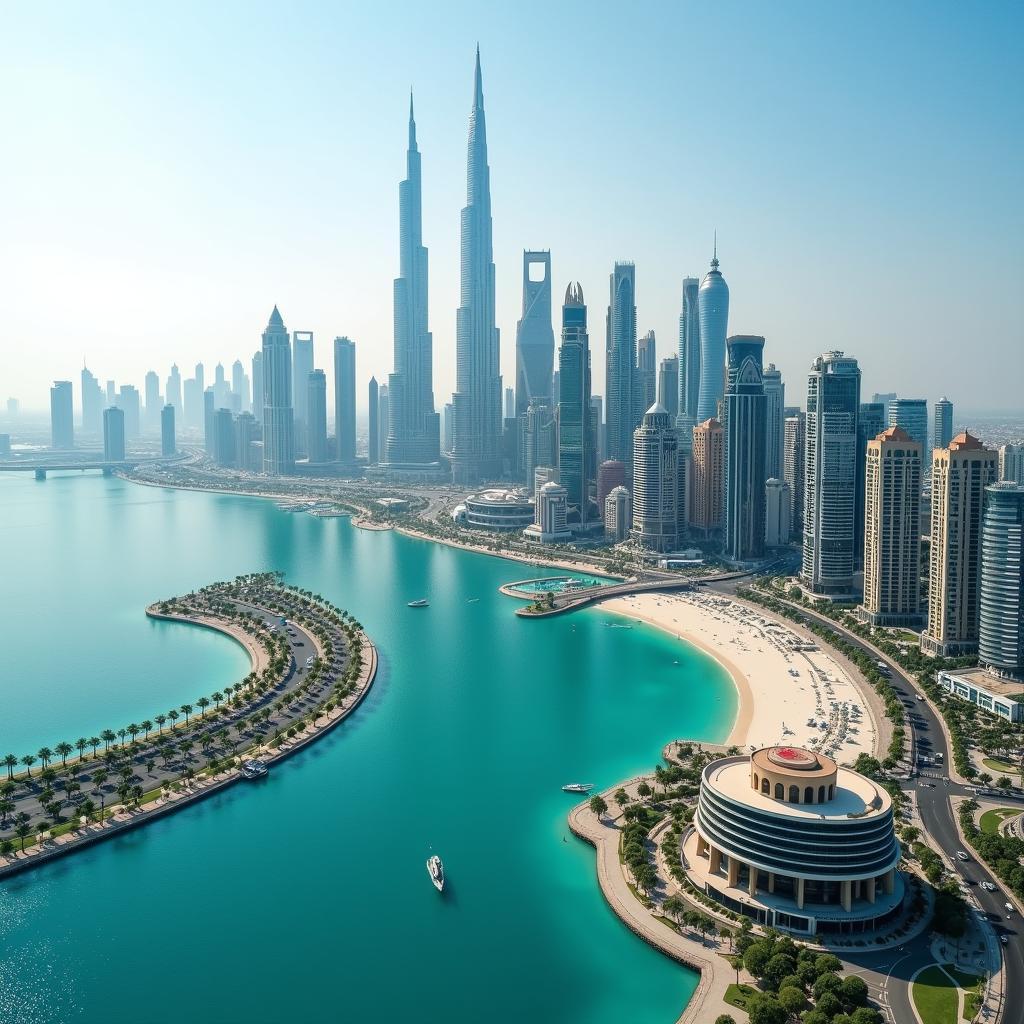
795	842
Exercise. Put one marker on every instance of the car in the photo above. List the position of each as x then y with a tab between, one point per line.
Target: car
960	855
988	887
1009	907
920	698
1002	939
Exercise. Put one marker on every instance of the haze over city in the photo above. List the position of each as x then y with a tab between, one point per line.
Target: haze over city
176	173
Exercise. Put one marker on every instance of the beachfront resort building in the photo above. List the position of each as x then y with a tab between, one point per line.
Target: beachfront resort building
793	841
496	508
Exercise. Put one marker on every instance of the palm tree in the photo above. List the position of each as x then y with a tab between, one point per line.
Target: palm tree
45	753
122	732
10	763
160	719
94	742
187	708
218	697
674	908
203	703
23	831
6	806
147	725
28	760
80	745
108	737
64	748
173	716
133	730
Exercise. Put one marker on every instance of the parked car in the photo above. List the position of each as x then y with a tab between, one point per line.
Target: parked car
960	855
988	887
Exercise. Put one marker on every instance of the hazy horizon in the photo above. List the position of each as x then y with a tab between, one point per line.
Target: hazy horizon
174	174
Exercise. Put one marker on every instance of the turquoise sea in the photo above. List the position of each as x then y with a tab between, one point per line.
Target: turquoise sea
306	898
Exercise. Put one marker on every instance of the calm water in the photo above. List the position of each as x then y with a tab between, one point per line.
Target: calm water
306	898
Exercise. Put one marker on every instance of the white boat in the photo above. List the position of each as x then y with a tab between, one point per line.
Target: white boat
254	769
578	787
420	603
436	871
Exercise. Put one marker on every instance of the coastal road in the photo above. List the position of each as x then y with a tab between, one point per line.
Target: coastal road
935	809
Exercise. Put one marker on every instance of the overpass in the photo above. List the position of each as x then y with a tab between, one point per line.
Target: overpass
43	466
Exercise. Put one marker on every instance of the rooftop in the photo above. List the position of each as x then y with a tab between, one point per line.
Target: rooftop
982	679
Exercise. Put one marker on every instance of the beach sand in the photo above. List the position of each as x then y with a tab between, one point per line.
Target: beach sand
761	654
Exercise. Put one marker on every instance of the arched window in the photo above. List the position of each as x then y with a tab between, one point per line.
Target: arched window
821	794
831	790
794	794
757	785
809	795
780	793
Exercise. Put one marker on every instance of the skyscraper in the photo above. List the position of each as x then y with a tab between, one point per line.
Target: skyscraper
912	415
220	388
872	419
892	531
62	415
92	404
535	339
713	313
689	351
830	474
577	464
247	455
345	399
620	363
707	477
656	482
943	423
646	374
240	385
1011	462
316	411
668	385
154	403
476	402
225	445
173	389
113	434
383	410
793	466
192	403
610	474
278	442
257	386
302	367
960	474
744	449
774	435
210	422
778	513
412	434
128	400
618	514
168	443
1001	633
373	426
509	408
540	447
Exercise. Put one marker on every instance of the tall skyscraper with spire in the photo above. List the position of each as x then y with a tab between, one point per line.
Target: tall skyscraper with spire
577	464
689	352
476	403
413	435
278	443
620	363
713	313
535	339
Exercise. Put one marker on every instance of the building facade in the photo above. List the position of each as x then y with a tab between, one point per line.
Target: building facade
345	400
656	482
302	367
316	416
775	420
668	385
620	363
943	420
62	415
535	338
707	477
778	513
960	474
1011	462
872	419
550	524
168	442
793	466
113	434
713	314
911	414
689	351
1001	625
577	461
278	443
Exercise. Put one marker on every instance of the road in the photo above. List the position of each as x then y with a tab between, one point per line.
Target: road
932	795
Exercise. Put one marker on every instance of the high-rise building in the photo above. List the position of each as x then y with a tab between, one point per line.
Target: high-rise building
883	398
656	482
276	364
707	477
345	399
646	379
535	339
210	422
373	424
92	403
173	388
248	456
257	386
620	363
943	423
302	367
540	441
713	313
411	437
689	351
240	386
168	442
1001	627
113	434
892	531
476	441
200	377
775	418
225	443
830	474
872	419
610	474
793	466
62	415
744	449
220	388
550	523
111	393
912	415
778	513
449	427
618	514
316	412
577	464
668	385
960	474
597	408
1011	462
128	400
192	403
509	408
383	410
154	403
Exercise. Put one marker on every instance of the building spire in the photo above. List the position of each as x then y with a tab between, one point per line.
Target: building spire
714	258
478	83
412	123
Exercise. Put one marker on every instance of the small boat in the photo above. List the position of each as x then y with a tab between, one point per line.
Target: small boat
473	600
254	769
436	871
578	787
420	603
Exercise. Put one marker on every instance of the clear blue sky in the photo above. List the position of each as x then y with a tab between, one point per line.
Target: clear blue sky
171	171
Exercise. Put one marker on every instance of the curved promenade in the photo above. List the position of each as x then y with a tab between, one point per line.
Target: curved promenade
311	722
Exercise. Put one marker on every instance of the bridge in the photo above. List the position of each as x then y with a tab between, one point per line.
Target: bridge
43	466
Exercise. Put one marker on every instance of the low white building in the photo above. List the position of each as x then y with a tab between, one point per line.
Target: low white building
997	696
550	524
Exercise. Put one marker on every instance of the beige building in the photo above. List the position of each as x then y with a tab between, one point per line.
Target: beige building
618	514
892	530
706	477
960	474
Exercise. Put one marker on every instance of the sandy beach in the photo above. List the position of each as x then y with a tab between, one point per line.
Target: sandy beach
782	684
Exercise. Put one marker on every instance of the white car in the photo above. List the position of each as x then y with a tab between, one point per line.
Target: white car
960	855
988	887
1009	907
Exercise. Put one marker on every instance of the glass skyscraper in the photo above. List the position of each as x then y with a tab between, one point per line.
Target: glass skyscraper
577	465
278	442
620	363
713	313
535	340
689	351
1001	625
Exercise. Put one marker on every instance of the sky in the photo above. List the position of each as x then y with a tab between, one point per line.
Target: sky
171	171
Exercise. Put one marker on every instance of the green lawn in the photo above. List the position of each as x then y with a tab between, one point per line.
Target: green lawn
935	996
992	819
995	765
972	986
738	995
